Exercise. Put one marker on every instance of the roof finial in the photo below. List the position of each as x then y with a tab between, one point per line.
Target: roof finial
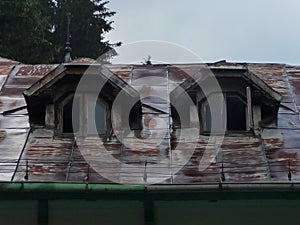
68	48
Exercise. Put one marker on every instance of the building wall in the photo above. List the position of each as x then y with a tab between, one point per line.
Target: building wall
115	212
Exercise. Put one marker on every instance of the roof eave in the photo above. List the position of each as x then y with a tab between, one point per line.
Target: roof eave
262	85
37	86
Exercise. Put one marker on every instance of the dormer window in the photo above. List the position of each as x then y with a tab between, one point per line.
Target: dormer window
88	117
58	103
240	104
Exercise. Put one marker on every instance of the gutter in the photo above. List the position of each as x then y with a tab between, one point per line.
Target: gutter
66	187
121	188
226	187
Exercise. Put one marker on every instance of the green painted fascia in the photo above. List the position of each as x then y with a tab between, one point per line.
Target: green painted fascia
94	191
66	187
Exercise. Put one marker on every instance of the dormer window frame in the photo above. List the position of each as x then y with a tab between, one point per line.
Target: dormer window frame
83	114
262	100
60	114
202	107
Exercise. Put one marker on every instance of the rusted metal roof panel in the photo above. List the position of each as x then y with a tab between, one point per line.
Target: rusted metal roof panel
281	161
86	159
282	148
190	172
293	73
8	103
32	70
239	159
47	157
123	72
244	159
6	66
267	69
22	77
5	61
12	91
179	73
4	70
295	85
13	127
11	144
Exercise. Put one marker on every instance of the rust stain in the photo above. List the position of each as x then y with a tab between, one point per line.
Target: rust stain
33	70
4	70
244	159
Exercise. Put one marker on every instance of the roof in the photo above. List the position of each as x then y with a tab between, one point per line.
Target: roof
268	157
80	68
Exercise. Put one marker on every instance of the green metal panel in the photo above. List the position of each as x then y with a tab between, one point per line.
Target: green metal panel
80	203
82	212
18	212
42	212
228	212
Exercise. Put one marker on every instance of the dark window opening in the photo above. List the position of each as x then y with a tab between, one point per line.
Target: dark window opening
68	126
135	117
232	113
236	113
175	117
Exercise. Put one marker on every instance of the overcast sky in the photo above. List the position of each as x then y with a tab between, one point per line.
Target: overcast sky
235	30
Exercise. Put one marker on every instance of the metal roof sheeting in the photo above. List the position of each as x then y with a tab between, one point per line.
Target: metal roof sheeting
14	126
265	158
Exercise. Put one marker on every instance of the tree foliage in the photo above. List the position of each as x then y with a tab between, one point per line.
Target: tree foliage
34	31
88	24
22	31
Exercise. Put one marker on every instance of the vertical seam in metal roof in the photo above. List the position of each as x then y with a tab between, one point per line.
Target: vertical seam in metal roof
290	88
